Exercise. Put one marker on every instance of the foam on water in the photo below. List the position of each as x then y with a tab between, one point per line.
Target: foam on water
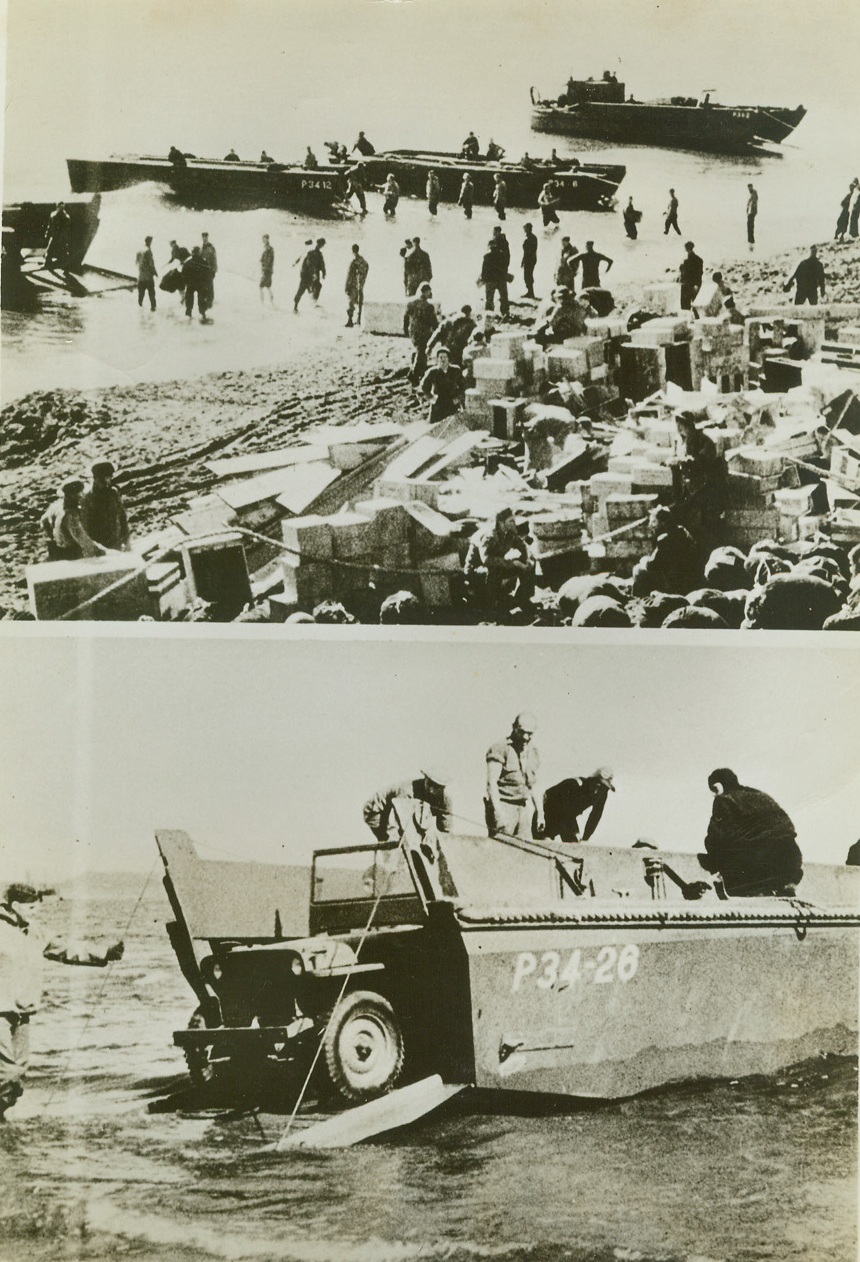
704	1170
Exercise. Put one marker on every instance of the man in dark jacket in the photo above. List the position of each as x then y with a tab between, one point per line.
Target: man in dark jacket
419	321
197	280
565	801
453	334
751	842
363	145
589	265
809	278
699	484
103	511
498	241
417	267
494	278
690	275
673	566
443	384
311	273
530	247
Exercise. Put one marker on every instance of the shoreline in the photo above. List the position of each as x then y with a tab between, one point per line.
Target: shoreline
160	434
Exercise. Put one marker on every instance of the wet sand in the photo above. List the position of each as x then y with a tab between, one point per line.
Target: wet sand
161	434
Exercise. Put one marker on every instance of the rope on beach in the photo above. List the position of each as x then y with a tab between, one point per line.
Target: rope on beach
284	547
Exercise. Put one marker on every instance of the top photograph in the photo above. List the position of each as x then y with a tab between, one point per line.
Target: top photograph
424	313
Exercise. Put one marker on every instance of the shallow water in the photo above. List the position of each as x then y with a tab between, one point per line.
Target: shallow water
79	343
757	1169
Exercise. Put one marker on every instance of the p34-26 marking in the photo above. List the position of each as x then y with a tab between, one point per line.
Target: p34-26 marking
548	971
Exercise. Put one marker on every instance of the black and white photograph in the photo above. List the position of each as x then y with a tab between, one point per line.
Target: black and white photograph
439	950
426	312
403	405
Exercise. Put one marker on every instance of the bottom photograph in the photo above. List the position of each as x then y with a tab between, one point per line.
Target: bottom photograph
452	948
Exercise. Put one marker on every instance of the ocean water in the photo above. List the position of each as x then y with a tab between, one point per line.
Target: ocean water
731	1172
411	75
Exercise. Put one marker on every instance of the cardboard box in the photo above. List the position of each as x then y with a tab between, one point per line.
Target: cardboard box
352	536
662	299
168	593
592	347
494	369
306	583
57	588
755	460
621	509
384	317
508	345
308	537
564	364
708	301
507	417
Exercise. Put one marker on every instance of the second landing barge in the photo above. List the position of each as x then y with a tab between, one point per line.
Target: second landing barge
598	110
510	965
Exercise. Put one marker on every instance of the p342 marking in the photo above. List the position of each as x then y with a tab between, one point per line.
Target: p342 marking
549	971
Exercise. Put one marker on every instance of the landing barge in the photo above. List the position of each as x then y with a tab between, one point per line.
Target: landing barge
580	186
598	110
207	183
510	965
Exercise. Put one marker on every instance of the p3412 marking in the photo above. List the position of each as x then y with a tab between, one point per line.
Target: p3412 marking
549	971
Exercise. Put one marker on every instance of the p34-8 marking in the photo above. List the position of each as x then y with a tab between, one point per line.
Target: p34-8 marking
549	971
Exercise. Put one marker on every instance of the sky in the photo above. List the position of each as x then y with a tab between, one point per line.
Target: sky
266	747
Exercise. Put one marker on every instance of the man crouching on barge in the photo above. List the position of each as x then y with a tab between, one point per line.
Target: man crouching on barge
751	842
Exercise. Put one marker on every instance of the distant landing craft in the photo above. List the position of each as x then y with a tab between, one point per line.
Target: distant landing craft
597	109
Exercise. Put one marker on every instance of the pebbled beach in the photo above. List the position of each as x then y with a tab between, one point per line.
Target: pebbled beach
161	434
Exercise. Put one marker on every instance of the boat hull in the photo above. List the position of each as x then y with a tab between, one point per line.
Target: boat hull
610	1010
523	967
713	128
217	185
590	187
29	222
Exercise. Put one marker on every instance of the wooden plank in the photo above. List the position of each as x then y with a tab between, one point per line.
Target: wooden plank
355	483
263	461
293	487
455	452
388	1113
420	452
357	432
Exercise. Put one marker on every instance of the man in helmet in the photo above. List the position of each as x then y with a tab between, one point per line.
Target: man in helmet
564	802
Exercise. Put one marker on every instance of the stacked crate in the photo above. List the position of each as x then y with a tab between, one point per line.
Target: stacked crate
793	505
658	352
753	478
505	373
721	355
555	532
334	557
